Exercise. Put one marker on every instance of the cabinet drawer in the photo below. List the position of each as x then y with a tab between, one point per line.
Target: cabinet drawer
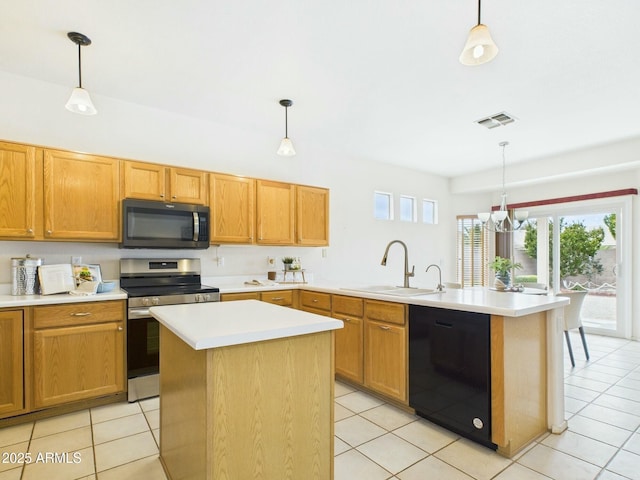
78	314
348	305
226	297
385	311
315	300
279	297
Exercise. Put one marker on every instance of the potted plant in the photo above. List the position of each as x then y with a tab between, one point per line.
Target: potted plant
288	261
503	267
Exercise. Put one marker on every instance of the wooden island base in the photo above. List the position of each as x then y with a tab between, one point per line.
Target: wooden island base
261	410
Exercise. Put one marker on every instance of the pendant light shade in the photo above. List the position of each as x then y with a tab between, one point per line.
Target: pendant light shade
480	47
286	146
80	101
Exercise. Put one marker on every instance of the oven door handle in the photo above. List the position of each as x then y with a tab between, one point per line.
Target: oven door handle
137	313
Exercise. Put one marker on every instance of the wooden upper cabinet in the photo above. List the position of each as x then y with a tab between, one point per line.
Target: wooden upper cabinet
150	181
188	186
143	180
20	191
81	194
275	207
232	203
312	216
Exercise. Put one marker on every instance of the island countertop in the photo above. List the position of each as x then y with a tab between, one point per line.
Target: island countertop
221	324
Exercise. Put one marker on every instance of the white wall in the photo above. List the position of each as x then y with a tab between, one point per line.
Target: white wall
34	113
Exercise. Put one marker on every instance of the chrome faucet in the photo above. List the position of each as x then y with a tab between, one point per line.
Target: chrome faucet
407	273
439	288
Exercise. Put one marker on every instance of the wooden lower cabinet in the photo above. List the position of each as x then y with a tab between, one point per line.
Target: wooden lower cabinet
350	338
286	298
229	297
385	349
78	352
315	302
12	400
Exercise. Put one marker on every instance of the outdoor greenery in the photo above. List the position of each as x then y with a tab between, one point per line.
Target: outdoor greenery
610	222
578	247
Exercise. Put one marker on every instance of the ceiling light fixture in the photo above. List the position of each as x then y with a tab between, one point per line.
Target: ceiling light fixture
480	47
286	147
499	221
80	101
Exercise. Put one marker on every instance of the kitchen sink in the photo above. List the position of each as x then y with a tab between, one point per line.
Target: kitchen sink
391	290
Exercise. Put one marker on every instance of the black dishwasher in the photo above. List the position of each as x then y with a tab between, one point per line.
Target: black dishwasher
450	370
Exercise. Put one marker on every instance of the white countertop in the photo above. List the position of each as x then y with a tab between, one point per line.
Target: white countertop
221	324
474	299
9	301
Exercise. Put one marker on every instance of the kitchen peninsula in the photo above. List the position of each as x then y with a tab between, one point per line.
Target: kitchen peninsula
246	391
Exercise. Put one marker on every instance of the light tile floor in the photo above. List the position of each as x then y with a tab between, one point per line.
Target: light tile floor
374	440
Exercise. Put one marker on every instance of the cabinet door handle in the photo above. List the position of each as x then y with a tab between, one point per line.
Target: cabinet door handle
49	232
29	230
277	299
120	329
384	327
81	314
162	195
174	197
347	320
315	300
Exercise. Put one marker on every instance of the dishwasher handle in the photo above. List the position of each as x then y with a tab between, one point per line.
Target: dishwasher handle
440	323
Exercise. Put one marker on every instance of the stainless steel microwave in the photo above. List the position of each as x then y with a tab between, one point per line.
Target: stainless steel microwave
149	224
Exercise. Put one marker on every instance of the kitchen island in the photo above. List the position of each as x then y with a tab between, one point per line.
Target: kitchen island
246	391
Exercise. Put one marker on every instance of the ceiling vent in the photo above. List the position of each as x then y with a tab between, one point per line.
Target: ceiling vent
497	120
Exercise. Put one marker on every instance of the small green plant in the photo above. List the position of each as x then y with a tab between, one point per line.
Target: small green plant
503	266
288	260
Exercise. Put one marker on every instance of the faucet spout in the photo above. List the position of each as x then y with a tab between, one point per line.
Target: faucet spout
407	274
440	288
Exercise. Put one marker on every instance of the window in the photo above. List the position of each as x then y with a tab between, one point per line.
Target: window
383	206
407	208
472	245
429	211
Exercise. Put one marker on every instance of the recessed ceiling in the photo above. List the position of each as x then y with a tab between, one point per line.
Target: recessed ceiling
378	80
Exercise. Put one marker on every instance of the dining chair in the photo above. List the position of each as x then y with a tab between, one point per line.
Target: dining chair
573	320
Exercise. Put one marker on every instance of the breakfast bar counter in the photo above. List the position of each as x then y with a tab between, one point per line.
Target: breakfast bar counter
246	391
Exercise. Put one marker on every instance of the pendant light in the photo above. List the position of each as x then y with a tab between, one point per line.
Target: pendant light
286	147
499	221
80	101
480	47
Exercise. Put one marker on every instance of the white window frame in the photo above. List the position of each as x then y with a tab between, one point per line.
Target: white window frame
435	211
376	194
414	213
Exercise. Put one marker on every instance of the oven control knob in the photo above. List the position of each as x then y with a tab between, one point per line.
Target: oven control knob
155	301
207	297
146	302
198	298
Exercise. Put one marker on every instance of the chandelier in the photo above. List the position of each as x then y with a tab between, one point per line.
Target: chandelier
499	220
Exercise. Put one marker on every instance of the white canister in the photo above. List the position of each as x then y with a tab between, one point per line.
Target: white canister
24	276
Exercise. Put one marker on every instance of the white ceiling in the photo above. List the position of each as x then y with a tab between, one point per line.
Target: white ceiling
378	80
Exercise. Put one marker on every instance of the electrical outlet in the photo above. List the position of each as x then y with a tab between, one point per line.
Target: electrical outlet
76	260
324	253
271	261
220	261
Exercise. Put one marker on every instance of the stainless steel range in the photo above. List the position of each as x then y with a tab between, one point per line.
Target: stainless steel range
150	282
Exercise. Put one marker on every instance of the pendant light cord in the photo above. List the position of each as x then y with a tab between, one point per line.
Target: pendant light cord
79	66
286	122
479	12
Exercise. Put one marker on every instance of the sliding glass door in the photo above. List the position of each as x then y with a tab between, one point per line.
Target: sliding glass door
582	246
